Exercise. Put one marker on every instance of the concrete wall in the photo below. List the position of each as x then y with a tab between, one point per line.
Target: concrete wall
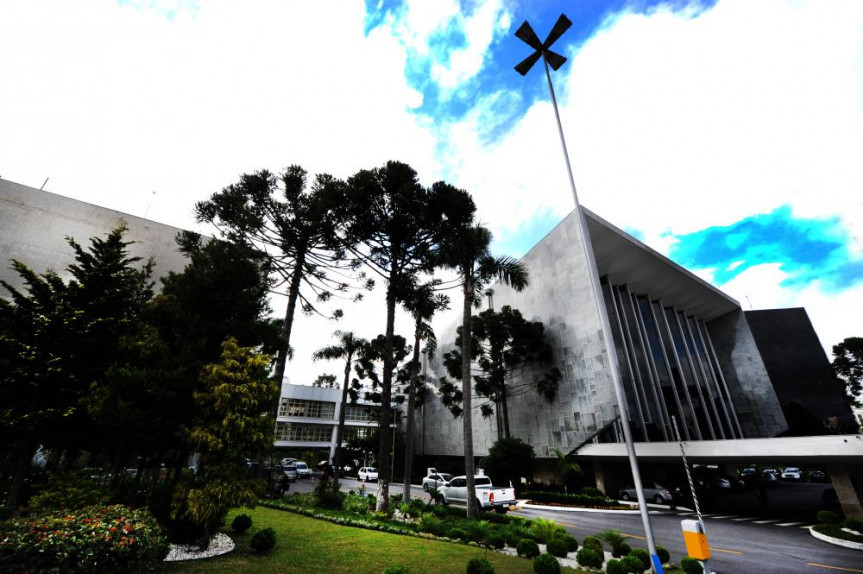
35	223
754	399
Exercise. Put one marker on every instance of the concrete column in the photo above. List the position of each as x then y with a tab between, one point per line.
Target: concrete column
599	476
845	491
333	443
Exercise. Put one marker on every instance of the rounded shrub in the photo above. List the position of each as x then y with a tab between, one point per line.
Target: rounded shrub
663	554
632	565
396	570
828	517
546	564
241	523
557	547
591	491
593	543
571	542
614	566
621	549
495	541
691	566
527	548
589	558
263	540
479	566
643	556
456	534
853	524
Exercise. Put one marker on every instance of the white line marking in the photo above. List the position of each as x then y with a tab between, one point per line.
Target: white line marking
741	519
772	520
791	524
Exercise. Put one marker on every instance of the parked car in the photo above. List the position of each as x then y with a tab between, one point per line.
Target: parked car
488	497
816	475
368	473
708	478
435	479
290	472
653	492
792	473
303	470
769	477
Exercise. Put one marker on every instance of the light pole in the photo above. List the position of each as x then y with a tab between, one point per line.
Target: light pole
549	58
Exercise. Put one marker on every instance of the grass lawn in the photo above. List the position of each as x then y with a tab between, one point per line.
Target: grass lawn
311	546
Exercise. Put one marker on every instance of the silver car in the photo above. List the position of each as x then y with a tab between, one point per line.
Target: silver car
436	480
290	472
653	492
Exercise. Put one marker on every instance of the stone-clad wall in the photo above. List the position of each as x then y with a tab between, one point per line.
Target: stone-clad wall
757	405
35	223
561	296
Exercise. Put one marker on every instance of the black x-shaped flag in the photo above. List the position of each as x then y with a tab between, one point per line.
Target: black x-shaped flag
526	34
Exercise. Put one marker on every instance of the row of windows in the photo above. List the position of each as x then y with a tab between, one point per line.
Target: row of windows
303	433
307	409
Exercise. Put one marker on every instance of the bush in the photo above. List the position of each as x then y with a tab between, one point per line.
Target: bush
477	530
479	566
632	565
544	530
456	534
828	517
396	570
601	501
69	491
546	564
593	543
241	523
328	495
614	566
96	538
643	556
663	554
853	524
589	558
495	540
516	532
355	503
557	547
431	524
263	540
691	565
417	507
527	548
591	491
571	543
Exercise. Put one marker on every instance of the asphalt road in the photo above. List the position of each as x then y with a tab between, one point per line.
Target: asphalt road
739	544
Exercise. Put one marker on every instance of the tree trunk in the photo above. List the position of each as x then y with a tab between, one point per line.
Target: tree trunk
337	457
505	410
23	459
293	295
409	425
469	470
383	501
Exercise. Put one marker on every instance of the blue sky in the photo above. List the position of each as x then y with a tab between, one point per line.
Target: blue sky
725	134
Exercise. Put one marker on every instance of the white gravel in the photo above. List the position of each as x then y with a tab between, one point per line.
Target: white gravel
220	544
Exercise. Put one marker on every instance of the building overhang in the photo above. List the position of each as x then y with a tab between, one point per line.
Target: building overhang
627	261
786	450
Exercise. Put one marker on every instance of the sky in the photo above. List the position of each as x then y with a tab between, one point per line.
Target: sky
727	134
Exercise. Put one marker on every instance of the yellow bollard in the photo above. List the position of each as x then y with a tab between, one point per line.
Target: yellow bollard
695	539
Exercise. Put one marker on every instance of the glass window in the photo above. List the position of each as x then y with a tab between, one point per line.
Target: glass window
307	409
303	433
360	413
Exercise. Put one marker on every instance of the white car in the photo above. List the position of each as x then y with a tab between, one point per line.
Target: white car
792	473
368	473
303	470
436	480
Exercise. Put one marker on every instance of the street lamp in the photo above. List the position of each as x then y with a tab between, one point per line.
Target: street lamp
549	58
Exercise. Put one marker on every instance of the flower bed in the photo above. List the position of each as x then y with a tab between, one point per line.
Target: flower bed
96	538
576	500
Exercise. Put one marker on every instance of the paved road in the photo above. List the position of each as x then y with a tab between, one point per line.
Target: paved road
740	543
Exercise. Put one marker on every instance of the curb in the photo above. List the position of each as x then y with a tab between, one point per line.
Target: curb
577	509
836	541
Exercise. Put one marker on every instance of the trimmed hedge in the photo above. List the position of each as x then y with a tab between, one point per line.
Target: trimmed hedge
557	547
241	523
691	565
479	566
570	499
96	538
546	564
527	548
589	558
828	517
263	540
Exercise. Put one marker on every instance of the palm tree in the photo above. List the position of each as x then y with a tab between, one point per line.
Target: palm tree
422	302
566	468
467	253
346	349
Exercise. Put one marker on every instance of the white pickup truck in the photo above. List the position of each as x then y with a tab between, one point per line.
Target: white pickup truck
499	498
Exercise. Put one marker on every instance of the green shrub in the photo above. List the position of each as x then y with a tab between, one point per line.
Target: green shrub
593	543
417	507
263	540
241	523
477	530
540	497
432	524
828	517
643	556
589	558
853	524
571	543
479	566
614	566
632	565
456	534
516	532
396	570
591	491
329	496
527	548
69	491
96	538
691	566
546	564
355	503
557	547
622	549
495	540
544	530
663	554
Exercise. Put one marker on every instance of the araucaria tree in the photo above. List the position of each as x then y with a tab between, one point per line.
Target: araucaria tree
506	345
467	253
848	367
397	225
294	225
346	349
